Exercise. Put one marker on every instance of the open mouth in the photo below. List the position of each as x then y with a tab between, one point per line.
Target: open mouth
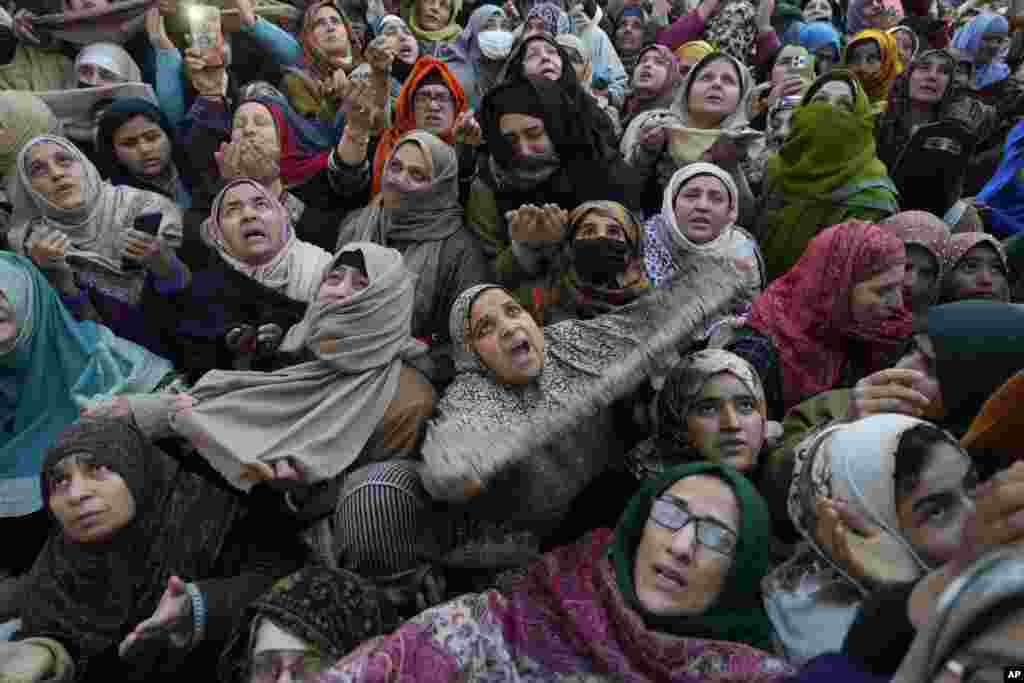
519	351
253	234
731	444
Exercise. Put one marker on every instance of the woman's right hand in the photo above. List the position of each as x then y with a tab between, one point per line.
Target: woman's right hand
208	80
790	86
156	30
894	390
533	224
360	105
49	252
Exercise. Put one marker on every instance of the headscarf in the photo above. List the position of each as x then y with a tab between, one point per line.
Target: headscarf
694	48
243	419
737	615
23	116
117	22
817	34
111	57
547	12
671	445
88	596
301	157
968	41
440	35
978	346
733	28
169	182
426	69
962	242
96	228
535	446
629	57
297	268
856	462
925	230
419	224
466	46
56	366
513	71
738	118
1004	192
895	30
996	428
807	312
669	249
826	166
331	610
857	22
315	60
877	85
662	99
963	618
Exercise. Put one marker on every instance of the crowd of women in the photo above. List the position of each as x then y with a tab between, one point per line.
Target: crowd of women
559	340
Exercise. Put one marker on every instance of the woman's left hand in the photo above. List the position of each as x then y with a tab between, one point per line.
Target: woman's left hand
149	250
172	621
467	130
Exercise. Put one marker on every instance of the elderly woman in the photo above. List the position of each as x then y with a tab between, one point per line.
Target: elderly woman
23	116
480	52
103	247
134	146
148	567
434	24
667	600
711	408
913	486
926	239
707	122
975	268
849	278
368	400
825	173
602	266
874	59
418	213
54	365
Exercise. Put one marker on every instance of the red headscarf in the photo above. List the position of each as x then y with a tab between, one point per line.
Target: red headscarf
807	312
405	112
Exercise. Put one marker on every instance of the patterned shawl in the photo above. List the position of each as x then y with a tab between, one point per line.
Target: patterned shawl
116	22
409	9
529	445
297	268
925	230
877	84
959	244
96	228
566	621
320	413
733	29
301	82
86	596
56	366
807	311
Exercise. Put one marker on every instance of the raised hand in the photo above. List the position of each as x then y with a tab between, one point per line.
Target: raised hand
247	158
862	548
468	130
171	622
894	390
531	223
209	80
156	29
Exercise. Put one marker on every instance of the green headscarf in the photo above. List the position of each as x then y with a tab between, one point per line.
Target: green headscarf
826	173
738	613
448	33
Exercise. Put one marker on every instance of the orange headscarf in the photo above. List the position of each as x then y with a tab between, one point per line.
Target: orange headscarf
877	84
405	112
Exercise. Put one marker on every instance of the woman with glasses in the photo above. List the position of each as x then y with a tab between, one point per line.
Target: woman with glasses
671	594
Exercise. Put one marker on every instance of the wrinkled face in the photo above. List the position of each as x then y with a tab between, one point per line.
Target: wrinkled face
817	10
329	30
90	500
920	280
8	325
629	35
929	80
254	122
94	75
251	225
979	274
651	73
703	208
596	225
921	357
724	423
715	92
408	170
506	338
864	59
85	5
933	514
340	284
905	43
142	147
435	108
408	47
879	298
57	174
674	574
542	60
526	135
839	94
433	15
992	44
825	58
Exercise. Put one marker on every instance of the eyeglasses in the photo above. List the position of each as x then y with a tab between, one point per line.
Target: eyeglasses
425	98
673	514
304	667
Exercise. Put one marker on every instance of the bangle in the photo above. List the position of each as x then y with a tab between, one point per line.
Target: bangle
198	614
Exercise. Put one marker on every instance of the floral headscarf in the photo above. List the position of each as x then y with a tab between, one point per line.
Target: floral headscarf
733	28
549	13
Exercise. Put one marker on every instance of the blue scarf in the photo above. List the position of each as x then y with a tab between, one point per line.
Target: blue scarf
1004	192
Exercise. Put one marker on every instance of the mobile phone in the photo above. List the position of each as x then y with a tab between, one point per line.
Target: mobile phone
205	33
149	223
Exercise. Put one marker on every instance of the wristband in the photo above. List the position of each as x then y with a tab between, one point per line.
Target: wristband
198	614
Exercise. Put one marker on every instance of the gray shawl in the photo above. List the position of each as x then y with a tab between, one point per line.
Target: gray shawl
96	228
419	225
534	447
320	413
